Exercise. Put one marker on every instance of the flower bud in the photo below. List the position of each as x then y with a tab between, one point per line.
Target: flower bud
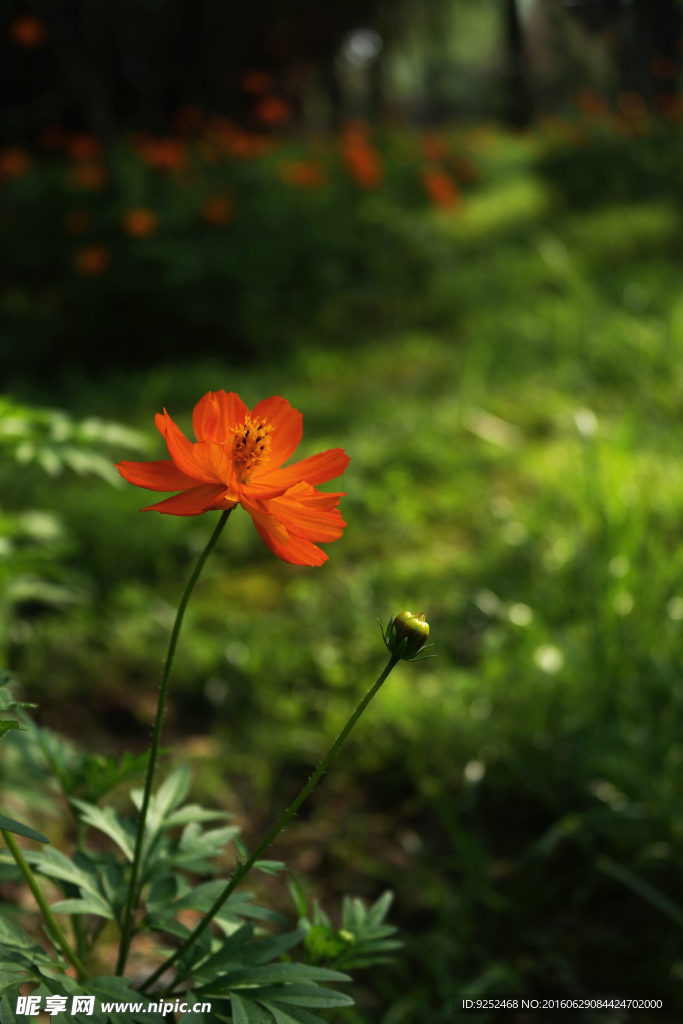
411	628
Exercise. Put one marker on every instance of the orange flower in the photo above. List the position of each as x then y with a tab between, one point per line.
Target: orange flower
84	148
593	102
87	175
304	173
92	261
140	222
161	154
28	32
218	210
440	188
256	82
434	147
632	105
362	160
14	162
238	459
273	110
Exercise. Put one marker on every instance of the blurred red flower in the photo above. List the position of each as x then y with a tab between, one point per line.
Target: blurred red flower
303	173
237	460
161	154
632	105
592	102
14	162
140	222
273	110
87	175
440	188
92	261
256	82
235	141
362	160
434	147
28	32
53	137
84	147
218	210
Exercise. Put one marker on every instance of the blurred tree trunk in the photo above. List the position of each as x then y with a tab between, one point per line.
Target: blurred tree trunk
518	106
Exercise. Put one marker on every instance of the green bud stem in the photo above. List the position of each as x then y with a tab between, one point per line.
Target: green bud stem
133	887
58	937
245	868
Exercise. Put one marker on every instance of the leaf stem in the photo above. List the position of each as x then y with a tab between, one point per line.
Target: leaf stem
246	867
133	888
58	937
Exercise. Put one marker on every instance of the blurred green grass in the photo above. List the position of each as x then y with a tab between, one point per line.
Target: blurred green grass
516	474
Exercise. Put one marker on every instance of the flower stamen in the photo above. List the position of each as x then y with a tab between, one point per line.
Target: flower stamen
250	447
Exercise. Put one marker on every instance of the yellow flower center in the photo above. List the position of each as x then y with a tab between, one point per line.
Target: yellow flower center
250	447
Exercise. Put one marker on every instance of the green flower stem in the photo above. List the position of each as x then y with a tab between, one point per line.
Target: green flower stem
133	888
58	937
246	867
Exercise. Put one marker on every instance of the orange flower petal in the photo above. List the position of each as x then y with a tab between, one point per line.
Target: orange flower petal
297	552
288	429
314	470
216	414
214	462
192	502
180	449
265	520
306	514
163	475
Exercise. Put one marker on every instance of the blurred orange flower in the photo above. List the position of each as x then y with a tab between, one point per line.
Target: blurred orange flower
140	222
87	175
84	147
441	188
235	141
161	154
92	261
592	102
434	147
14	162
28	32
256	82
218	210
273	110
362	160
670	104
632	105
304	173
76	221
237	460
52	137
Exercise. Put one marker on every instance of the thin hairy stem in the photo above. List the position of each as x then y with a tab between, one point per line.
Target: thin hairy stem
134	887
244	869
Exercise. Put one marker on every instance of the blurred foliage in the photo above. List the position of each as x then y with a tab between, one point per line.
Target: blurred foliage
607	159
228	243
515	474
